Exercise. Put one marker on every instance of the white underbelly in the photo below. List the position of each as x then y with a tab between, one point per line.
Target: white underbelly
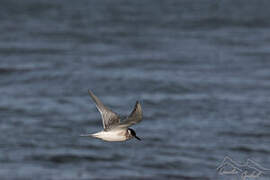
111	135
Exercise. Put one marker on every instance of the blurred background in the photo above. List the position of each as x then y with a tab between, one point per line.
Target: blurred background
200	69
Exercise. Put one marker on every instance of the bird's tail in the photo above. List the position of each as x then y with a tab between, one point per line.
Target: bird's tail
87	135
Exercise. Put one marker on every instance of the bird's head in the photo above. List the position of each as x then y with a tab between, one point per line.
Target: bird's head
132	133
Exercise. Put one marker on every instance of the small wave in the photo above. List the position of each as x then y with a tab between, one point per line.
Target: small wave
238	134
24	51
69	158
8	70
171	176
220	22
249	149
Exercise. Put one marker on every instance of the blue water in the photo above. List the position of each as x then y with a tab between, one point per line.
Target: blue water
200	69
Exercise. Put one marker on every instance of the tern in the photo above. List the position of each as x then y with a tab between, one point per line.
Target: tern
115	128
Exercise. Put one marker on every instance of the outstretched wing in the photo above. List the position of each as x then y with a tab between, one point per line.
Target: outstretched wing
134	118
109	118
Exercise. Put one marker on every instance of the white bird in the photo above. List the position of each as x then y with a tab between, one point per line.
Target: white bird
114	129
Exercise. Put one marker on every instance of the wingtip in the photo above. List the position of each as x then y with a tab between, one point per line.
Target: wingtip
137	108
90	92
138	104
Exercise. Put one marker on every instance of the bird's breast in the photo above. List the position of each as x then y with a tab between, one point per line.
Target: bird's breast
119	135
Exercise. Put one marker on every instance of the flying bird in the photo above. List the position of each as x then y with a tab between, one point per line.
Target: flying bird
115	128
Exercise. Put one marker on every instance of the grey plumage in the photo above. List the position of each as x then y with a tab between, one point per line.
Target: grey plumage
114	129
134	118
109	118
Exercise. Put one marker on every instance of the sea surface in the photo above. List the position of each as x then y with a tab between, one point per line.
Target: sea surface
201	70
